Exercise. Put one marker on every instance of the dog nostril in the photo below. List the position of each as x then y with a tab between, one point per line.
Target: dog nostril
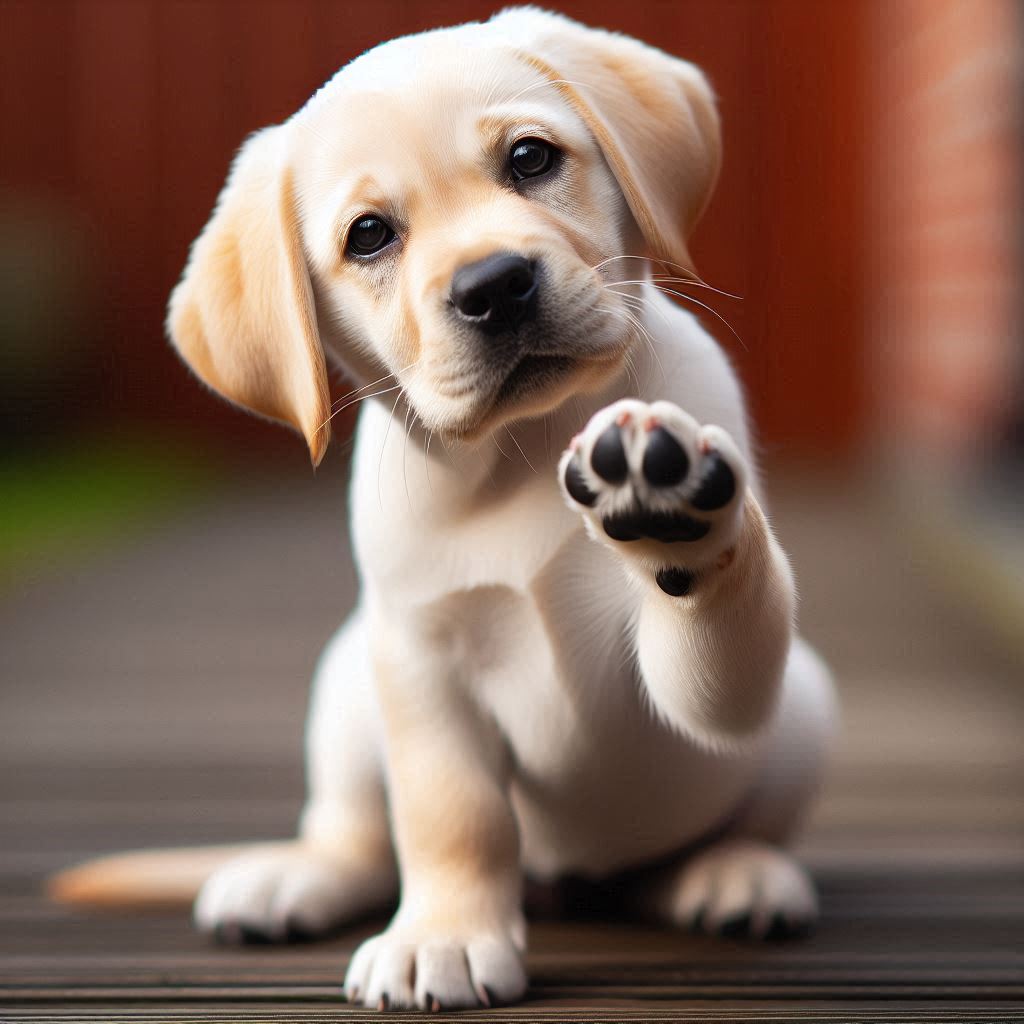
520	282
474	304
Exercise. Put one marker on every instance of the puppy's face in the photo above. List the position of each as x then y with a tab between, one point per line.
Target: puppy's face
458	238
443	218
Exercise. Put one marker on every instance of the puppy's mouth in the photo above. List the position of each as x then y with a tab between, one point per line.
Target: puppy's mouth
531	375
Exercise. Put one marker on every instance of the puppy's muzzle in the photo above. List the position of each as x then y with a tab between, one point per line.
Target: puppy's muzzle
497	293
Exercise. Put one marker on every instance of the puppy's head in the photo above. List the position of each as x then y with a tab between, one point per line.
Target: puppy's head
443	216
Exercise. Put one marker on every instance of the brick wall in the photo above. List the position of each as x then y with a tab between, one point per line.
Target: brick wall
947	202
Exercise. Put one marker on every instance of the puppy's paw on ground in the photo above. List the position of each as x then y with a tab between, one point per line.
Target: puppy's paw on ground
659	485
743	888
283	894
402	968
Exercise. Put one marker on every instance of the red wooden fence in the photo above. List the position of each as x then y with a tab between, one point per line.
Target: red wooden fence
128	112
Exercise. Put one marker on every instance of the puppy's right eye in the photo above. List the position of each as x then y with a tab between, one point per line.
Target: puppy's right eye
368	236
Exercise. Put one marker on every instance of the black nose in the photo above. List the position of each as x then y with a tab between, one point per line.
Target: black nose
496	293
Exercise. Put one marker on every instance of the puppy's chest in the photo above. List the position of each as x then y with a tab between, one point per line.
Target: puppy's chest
552	662
422	552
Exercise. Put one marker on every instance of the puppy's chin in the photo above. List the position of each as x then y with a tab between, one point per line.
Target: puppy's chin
534	388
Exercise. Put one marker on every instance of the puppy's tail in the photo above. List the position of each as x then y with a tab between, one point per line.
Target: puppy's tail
142	879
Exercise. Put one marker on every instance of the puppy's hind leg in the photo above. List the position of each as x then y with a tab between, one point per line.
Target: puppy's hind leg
746	883
342	864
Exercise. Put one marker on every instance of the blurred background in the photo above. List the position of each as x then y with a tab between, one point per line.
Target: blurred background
171	566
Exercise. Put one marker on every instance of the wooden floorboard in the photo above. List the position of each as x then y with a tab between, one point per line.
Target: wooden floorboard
156	697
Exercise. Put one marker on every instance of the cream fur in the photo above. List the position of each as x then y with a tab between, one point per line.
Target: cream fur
514	693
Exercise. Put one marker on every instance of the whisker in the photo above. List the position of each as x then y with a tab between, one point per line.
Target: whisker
521	452
405	450
383	446
355	391
644	333
500	449
630	368
682	281
379	380
356	401
703	305
549	82
637	304
426	462
691	278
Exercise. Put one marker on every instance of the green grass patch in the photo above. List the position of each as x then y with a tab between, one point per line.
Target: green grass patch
66	505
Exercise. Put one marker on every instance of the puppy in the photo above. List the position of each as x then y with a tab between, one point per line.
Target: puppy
563	661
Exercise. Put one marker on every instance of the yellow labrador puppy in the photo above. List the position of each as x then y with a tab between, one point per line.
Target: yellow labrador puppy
563	661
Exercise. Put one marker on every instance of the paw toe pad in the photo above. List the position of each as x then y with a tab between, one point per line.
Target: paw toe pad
665	460
576	485
717	485
608	457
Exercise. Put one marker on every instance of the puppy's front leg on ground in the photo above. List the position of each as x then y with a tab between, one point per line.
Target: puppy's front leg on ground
716	595
457	938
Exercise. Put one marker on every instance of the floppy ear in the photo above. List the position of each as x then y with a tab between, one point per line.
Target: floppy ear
243	316
653	116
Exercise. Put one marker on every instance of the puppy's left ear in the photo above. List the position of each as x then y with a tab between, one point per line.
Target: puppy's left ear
652	114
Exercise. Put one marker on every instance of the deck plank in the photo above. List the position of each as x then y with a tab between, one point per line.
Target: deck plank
157	698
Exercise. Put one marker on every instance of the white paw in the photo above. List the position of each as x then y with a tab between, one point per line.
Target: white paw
407	966
275	894
743	887
655	484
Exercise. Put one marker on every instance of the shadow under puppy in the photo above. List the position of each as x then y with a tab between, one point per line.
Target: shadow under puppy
574	650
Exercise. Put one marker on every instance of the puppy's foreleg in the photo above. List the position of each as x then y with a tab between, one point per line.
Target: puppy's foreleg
713	657
457	938
716	604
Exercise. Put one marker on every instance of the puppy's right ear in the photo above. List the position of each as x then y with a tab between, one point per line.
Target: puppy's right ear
243	315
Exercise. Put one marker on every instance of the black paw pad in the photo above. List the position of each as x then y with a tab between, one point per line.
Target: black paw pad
675	582
667	527
717	484
783	930
295	932
608	457
251	936
665	461
737	927
576	485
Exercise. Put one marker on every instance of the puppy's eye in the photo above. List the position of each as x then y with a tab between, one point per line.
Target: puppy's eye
530	158
367	236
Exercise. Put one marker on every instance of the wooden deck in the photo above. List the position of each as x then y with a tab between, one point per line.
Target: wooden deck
156	697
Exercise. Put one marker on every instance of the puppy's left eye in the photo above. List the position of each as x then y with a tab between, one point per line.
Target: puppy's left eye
530	158
368	235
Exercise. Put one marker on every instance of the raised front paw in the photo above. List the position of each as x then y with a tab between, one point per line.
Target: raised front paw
436	969
653	481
